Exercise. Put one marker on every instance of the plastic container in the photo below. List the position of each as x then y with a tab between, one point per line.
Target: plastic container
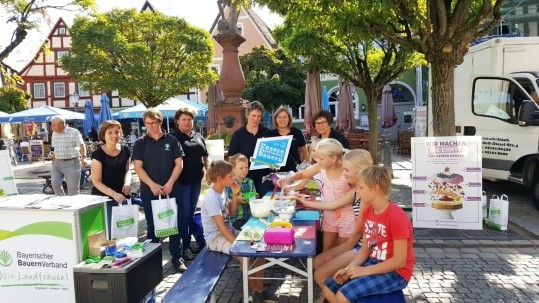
279	235
261	208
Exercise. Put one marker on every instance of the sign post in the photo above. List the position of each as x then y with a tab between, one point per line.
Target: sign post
36	149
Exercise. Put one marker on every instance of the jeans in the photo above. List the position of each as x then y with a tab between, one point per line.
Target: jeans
189	196
175	241
68	170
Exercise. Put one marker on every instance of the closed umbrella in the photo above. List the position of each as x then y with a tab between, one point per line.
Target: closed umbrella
345	111
389	118
89	118
105	113
325	99
268	121
312	99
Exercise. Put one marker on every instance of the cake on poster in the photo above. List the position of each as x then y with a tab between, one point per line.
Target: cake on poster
447	182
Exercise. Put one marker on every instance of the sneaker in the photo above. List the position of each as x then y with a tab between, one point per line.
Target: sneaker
258	297
188	255
179	266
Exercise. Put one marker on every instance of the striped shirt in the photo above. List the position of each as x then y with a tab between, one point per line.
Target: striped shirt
67	143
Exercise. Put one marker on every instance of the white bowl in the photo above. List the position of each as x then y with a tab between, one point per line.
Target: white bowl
261	208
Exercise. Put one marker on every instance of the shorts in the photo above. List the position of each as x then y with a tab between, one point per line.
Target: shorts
355	289
341	221
220	244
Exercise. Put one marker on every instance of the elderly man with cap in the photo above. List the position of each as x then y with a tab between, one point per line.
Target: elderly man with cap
68	157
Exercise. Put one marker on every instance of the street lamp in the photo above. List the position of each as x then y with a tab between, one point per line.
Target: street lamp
74	100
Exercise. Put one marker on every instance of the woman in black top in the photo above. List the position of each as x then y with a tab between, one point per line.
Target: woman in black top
298	150
195	161
110	166
322	123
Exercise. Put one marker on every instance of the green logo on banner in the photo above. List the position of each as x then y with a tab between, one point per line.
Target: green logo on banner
5	258
166	213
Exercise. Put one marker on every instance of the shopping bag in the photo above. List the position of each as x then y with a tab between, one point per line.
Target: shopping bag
498	215
124	221
484	204
165	217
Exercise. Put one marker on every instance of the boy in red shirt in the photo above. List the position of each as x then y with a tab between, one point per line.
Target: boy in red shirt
385	262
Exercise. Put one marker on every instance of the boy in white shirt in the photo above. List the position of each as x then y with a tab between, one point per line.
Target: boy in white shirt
218	232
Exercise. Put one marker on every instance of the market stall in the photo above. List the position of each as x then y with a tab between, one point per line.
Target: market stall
42	238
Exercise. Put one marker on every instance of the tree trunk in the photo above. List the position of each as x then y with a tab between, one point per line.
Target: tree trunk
443	110
372	94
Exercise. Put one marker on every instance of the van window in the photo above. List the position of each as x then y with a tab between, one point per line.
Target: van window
496	98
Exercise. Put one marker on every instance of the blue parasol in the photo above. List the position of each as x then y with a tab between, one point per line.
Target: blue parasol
105	113
325	99
89	118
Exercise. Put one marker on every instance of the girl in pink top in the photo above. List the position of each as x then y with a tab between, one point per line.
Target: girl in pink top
336	224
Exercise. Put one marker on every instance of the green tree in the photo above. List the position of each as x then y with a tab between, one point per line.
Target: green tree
272	78
441	30
21	16
147	57
357	56
12	99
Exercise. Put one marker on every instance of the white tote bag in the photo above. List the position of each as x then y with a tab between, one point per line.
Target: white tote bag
484	204
124	221
165	217
498	214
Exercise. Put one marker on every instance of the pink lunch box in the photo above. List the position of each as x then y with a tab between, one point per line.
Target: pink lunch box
279	235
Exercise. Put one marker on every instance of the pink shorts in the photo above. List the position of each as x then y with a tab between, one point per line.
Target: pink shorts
339	221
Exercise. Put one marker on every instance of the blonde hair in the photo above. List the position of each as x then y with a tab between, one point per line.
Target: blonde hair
376	175
359	158
331	147
219	168
238	158
312	148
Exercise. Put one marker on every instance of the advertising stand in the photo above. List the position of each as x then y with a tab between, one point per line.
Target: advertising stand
447	182
41	239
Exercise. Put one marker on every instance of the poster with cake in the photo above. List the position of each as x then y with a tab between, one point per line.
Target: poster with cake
447	182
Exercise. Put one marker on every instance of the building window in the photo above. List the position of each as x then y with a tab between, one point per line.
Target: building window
401	94
216	68
83	92
39	90
60	55
59	90
61	31
239	27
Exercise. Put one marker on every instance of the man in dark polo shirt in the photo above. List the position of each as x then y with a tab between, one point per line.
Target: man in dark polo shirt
322	123
158	164
244	139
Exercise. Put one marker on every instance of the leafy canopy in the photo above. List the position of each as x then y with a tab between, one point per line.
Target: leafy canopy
147	57
12	99
272	78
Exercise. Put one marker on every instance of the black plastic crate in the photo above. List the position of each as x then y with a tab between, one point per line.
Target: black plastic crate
128	284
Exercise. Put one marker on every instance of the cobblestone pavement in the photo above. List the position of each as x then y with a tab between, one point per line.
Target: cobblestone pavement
491	267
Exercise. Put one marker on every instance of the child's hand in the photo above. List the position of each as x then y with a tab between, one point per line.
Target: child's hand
235	188
341	276
282	182
305	202
241	200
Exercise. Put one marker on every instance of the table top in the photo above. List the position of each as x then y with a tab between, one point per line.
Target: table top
305	247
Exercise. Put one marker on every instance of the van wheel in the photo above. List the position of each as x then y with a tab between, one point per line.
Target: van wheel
535	194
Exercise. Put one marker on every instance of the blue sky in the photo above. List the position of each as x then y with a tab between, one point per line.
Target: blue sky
200	13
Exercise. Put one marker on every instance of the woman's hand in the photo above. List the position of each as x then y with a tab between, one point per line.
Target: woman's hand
118	197
157	189
126	189
167	188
